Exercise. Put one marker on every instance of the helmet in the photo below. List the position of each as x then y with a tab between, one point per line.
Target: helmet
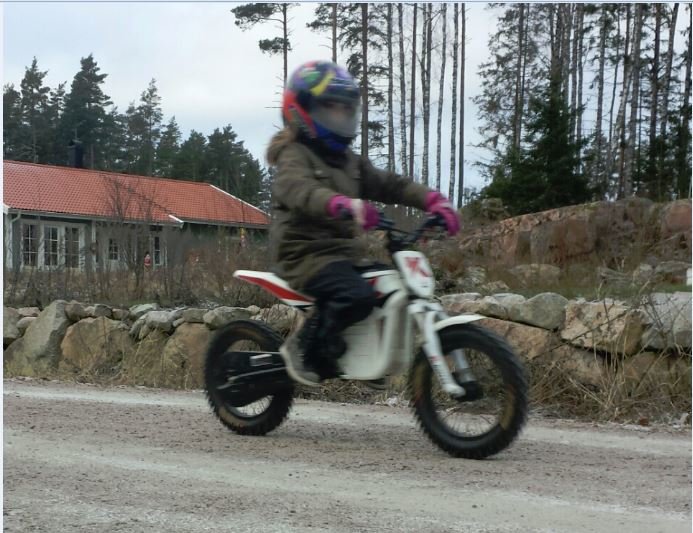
321	100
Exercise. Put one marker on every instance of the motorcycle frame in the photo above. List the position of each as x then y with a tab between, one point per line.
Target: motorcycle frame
385	343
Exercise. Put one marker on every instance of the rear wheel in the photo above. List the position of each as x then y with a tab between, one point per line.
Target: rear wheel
259	417
495	407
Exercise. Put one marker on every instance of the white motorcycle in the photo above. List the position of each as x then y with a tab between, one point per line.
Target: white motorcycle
468	389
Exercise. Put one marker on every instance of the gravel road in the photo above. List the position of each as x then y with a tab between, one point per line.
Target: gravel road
94	459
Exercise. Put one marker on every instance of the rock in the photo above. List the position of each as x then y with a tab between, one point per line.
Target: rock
528	342
253	310
136	327
75	311
474	276
563	240
162	320
178	321
536	274
676	218
10	331
37	353
453	302
185	350
511	303
585	367
612	277
606	325
24	323
137	311
193	315
495	286
144	331
643	273
672	271
668	316
545	310
281	317
95	347
120	314
28	311
98	310
221	316
147	366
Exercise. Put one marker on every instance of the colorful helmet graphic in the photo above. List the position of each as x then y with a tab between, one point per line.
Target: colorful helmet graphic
321	100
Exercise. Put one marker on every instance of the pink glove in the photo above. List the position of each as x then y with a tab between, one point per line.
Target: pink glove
364	213
437	204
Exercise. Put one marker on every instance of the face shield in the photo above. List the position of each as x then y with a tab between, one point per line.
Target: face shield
340	117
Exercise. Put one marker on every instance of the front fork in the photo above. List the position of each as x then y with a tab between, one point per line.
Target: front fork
426	315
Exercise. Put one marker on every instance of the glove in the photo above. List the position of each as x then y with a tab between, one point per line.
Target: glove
364	213
437	204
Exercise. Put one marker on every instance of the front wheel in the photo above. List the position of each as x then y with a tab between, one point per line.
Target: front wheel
495	408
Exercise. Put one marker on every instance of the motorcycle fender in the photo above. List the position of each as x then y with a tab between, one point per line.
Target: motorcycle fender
459	319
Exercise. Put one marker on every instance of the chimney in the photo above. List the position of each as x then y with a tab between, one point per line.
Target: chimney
75	154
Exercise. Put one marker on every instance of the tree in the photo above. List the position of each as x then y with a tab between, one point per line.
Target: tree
453	127
34	111
460	162
402	88
85	110
167	149
12	122
191	160
248	15
150	114
441	90
412	109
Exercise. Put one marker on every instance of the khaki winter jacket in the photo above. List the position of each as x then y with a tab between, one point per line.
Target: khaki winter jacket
303	238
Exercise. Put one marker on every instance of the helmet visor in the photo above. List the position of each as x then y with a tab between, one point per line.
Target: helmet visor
339	117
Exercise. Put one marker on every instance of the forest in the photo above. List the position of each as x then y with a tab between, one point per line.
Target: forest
578	102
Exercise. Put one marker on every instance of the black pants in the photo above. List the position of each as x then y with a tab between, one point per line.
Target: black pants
342	297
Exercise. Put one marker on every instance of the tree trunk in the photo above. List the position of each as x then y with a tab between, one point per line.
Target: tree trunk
600	97
364	80
581	74
635	99
390	91
621	115
565	46
667	73
460	159
334	32
453	125
412	109
685	173
285	25
652	167
610	157
441	89
574	73
517	114
403	89
426	82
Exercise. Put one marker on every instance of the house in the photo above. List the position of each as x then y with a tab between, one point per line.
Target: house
66	217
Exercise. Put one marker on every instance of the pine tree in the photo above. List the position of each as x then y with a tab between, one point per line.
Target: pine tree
34	112
191	160
85	110
151	115
12	123
167	149
248	15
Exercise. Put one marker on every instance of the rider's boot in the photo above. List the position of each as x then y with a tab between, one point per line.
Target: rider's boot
296	348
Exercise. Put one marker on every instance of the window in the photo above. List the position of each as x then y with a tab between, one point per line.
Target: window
113	250
50	246
157	250
72	247
29	244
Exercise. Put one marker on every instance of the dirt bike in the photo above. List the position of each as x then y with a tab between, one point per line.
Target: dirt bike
458	371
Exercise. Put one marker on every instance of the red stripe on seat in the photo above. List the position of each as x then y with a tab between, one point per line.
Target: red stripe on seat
279	292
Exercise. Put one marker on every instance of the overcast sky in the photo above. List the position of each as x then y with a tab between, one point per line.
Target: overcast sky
209	73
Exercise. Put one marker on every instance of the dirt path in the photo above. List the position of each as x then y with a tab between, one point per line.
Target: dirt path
85	458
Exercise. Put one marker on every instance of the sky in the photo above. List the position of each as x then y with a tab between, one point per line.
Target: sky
208	72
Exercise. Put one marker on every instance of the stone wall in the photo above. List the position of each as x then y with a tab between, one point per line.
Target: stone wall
146	345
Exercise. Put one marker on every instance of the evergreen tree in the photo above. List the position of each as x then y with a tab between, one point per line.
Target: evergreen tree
56	153
150	114
190	163
545	175
85	111
34	113
12	123
167	149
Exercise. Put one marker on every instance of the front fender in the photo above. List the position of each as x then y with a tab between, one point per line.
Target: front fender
459	319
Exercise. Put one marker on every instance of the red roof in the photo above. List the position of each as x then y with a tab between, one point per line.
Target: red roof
97	194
